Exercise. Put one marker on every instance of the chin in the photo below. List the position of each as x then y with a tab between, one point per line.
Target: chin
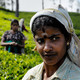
16	30
50	62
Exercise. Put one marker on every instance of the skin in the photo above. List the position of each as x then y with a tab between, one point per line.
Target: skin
51	46
14	29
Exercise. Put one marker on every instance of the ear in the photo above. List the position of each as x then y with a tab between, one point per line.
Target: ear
35	48
34	38
69	38
11	27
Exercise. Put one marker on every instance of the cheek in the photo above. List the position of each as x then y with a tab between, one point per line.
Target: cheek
39	48
16	27
61	48
60	45
13	27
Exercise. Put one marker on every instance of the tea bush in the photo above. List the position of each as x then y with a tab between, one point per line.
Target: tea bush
13	66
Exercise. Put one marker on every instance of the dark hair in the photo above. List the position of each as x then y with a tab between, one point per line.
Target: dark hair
48	21
14	21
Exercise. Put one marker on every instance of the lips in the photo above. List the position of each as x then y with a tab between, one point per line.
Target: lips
50	54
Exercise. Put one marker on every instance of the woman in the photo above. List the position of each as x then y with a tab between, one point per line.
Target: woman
13	39
55	41
22	27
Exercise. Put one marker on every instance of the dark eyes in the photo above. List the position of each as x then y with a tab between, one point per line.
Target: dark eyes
15	24
40	41
53	39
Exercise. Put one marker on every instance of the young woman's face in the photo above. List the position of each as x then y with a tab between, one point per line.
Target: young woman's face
15	26
51	45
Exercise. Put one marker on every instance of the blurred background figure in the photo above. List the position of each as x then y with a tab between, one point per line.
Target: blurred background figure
13	39
22	26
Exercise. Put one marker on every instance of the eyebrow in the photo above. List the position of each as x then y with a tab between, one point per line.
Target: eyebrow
51	36
54	35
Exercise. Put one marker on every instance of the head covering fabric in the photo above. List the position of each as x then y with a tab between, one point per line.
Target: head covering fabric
21	21
62	15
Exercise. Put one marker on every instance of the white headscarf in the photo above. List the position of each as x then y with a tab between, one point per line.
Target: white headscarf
62	15
20	24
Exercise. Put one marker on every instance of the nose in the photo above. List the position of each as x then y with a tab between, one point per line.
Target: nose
48	46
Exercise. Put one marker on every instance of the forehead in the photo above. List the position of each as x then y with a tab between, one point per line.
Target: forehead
14	23
47	32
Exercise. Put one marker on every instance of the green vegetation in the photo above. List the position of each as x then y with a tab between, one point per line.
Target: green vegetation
76	22
14	66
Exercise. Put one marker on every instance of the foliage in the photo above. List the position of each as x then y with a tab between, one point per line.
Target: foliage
75	19
14	66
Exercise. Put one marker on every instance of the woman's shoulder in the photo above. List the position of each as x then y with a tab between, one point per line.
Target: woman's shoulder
75	68
33	71
19	32
6	32
74	73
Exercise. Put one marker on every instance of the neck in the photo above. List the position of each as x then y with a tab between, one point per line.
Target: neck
49	70
13	31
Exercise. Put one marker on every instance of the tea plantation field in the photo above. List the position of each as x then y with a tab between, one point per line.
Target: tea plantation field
14	66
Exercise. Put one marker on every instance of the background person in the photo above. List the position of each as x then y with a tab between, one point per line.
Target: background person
13	39
55	41
22	26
